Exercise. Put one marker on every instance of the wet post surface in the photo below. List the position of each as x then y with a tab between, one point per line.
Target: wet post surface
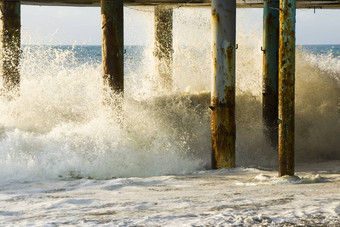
164	45
286	87
10	39
113	44
270	70
223	83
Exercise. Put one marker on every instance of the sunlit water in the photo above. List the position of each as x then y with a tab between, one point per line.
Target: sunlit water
66	158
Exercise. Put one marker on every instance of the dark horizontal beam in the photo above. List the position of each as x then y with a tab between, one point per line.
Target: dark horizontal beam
323	4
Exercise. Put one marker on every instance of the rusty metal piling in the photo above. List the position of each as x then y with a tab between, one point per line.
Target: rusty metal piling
10	39
113	44
286	87
223	83
164	44
270	70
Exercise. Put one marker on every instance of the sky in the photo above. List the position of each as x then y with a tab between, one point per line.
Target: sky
82	26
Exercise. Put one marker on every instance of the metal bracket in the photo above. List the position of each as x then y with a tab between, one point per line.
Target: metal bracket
279	121
274	8
105	24
264	50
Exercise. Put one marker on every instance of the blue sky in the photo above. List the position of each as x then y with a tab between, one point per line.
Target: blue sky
75	25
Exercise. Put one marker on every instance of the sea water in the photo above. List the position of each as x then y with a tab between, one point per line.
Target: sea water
66	158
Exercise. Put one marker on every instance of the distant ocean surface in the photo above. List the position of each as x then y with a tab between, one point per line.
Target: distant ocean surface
92	53
328	50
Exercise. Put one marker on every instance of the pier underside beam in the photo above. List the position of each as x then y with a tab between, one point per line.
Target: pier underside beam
10	41
113	44
286	87
164	45
270	70
223	83
319	4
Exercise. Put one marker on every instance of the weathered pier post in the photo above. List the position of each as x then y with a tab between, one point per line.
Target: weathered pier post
10	49
223	83
270	70
113	44
164	44
286	87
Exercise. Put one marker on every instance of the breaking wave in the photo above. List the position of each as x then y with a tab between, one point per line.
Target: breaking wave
59	126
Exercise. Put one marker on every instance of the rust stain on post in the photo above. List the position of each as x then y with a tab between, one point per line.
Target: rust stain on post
164	44
113	44
286	87
10	39
223	126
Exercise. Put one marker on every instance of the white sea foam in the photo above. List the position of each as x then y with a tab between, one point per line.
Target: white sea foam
201	199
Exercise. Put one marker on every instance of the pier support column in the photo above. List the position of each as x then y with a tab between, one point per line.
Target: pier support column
286	87
164	45
113	44
270	70
10	39
223	83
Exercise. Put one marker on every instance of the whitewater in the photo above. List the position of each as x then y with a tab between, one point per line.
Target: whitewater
67	158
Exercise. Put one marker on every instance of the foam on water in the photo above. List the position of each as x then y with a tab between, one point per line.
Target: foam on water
59	127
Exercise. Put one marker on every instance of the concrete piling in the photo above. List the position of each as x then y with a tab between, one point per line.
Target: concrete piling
164	45
10	41
287	87
223	126
113	44
270	70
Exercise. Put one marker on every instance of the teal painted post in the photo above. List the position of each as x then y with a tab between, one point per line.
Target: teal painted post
270	50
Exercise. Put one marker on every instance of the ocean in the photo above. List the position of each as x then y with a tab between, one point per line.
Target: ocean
68	159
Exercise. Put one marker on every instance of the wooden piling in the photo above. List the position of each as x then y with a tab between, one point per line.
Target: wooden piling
113	44
164	44
10	40
222	105
270	70
286	87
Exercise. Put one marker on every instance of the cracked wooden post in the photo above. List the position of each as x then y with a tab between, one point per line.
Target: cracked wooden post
10	51
113	44
164	45
286	87
223	83
270	70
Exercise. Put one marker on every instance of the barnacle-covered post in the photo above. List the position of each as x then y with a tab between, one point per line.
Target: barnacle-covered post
223	83
10	49
113	44
270	70
163	45
286	87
